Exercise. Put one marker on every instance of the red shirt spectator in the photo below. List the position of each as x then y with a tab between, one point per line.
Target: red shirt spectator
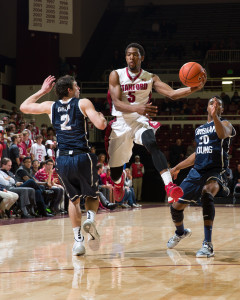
42	175
137	168
22	151
106	178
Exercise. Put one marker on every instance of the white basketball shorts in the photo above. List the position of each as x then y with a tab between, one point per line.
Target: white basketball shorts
125	131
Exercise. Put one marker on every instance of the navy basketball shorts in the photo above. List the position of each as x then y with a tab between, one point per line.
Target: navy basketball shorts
193	184
78	175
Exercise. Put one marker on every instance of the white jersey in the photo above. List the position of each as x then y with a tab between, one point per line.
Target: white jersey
137	90
38	151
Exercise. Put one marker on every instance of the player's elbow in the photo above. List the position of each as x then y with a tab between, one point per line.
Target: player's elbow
24	108
117	105
103	125
173	96
222	136
100	124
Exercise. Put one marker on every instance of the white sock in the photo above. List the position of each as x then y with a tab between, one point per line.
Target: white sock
118	181
77	234
166	177
91	215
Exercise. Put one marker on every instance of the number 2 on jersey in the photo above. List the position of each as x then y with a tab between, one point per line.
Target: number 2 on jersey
64	126
131	97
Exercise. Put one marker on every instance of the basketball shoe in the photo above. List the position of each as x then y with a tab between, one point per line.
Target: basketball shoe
177	238
119	190
78	247
155	125
206	250
94	237
174	192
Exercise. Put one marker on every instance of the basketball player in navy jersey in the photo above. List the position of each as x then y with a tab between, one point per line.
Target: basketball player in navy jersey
206	179
75	165
131	89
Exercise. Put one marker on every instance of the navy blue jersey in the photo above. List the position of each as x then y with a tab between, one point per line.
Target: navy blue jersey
211	151
70	125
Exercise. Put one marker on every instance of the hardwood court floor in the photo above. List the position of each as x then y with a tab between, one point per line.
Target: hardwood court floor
132	263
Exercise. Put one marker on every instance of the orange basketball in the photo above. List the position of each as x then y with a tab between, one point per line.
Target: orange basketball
191	74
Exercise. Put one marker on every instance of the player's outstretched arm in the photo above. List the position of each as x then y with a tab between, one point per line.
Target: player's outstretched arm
165	90
29	106
97	118
116	94
189	161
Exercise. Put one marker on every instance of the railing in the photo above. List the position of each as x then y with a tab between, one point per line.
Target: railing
223	56
189	119
99	88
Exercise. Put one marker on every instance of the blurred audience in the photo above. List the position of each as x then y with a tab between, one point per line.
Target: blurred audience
176	153
137	170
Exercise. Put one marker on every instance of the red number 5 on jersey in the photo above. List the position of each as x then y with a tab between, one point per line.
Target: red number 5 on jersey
131	97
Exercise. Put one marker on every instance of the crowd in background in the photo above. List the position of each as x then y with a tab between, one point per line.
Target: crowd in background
29	184
193	108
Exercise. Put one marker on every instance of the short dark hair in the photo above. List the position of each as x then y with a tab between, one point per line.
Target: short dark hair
63	84
34	161
39	137
27	157
49	160
219	98
5	160
14	137
42	163
136	45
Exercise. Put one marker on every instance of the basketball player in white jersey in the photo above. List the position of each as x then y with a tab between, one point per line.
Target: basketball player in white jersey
130	90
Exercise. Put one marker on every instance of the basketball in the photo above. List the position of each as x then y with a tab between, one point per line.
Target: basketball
191	74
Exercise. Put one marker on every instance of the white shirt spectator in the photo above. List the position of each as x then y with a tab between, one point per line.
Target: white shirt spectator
38	152
6	180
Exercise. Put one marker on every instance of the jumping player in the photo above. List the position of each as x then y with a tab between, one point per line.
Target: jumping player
206	178
131	90
75	165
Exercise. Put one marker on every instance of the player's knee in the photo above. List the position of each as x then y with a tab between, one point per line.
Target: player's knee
116	173
177	215
149	140
208	206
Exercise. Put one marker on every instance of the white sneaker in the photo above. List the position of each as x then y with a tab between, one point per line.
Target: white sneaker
78	248
206	250
94	237
136	205
177	238
124	205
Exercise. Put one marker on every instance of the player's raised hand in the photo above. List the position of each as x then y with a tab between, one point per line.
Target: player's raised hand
48	84
214	108
147	110
203	81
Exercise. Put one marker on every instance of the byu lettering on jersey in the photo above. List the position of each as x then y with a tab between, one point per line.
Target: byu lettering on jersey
211	151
